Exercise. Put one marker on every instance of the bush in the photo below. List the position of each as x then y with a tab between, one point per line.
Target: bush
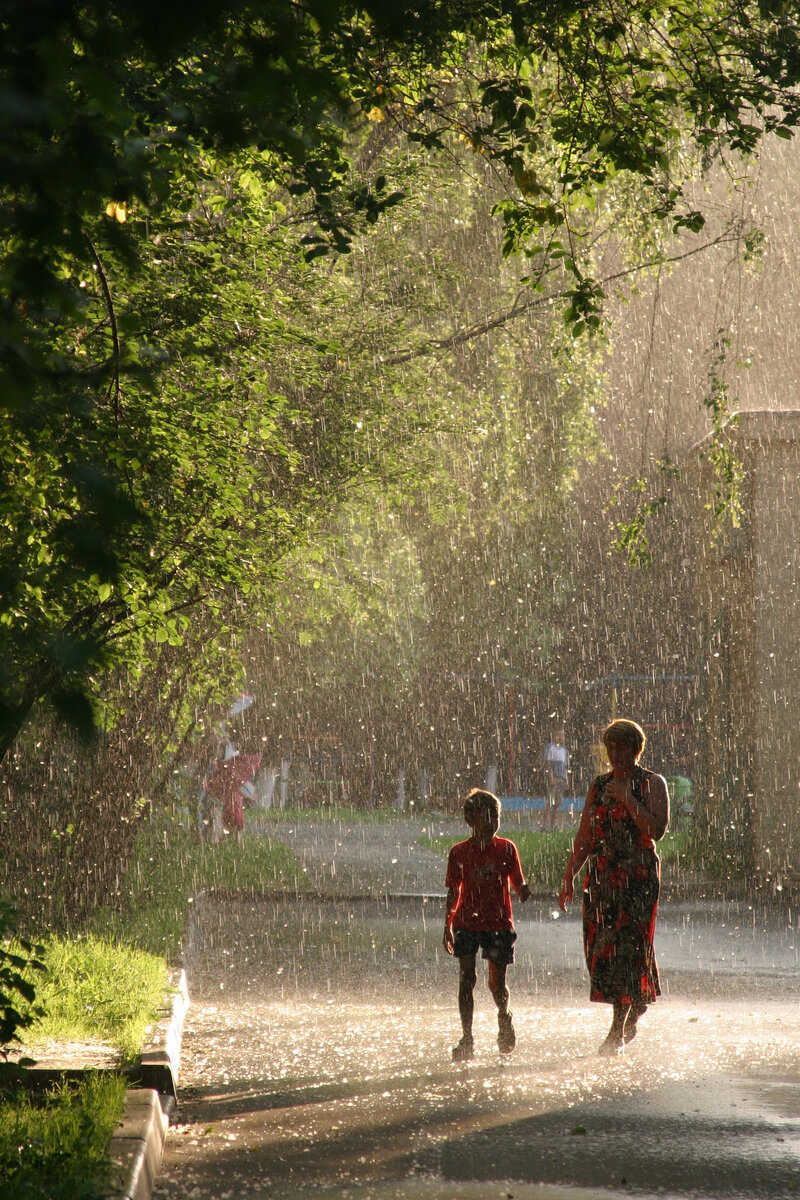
55	1147
18	962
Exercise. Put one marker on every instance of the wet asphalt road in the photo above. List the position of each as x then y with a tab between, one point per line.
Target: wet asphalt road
316	1050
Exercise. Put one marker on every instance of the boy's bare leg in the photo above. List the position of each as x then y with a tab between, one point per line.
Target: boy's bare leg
506	1037
467	978
497	986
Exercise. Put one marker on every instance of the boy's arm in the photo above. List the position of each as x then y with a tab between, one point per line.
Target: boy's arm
518	879
453	894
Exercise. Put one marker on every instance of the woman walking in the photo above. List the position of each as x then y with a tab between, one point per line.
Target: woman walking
626	813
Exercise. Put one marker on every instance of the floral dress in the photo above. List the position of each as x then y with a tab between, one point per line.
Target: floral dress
620	898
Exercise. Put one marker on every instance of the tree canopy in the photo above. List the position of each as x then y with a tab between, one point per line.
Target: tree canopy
163	398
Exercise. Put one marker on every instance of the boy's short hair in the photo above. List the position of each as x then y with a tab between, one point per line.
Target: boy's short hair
480	798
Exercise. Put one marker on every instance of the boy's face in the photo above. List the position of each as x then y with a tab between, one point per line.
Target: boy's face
484	823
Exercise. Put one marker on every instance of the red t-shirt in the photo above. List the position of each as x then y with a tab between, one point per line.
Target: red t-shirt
482	876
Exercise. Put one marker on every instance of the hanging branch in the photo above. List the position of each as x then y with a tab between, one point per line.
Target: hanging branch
517	309
114	387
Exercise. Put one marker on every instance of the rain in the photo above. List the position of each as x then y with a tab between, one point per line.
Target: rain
316	1053
514	532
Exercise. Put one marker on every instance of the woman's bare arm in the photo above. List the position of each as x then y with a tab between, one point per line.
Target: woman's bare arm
579	853
650	818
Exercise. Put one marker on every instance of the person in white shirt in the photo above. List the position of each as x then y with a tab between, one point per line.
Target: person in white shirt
556	760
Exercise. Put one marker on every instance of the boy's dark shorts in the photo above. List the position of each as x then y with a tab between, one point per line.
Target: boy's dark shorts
497	945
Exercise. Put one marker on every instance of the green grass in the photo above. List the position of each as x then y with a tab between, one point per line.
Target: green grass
55	1147
97	990
109	984
171	866
329	814
544	855
677	845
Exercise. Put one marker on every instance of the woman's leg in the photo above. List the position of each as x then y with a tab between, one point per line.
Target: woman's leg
615	1037
637	1010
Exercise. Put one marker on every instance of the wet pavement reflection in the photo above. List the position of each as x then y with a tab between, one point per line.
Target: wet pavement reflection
316	1060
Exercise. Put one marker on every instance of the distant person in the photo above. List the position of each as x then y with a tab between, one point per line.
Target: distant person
626	813
556	761
480	872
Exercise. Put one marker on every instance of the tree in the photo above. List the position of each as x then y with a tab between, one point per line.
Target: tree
113	113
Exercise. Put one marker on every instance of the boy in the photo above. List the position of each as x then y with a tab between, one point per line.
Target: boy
479	872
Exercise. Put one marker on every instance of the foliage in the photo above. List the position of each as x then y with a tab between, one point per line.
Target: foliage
108	443
632	537
725	504
19	964
56	1147
447	570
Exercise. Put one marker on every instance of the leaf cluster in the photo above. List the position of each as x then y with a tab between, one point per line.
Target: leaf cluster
18	1008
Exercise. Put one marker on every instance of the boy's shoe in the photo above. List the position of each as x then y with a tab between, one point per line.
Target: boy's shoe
506	1037
464	1050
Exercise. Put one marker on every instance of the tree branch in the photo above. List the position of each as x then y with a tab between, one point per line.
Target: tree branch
517	309
114	390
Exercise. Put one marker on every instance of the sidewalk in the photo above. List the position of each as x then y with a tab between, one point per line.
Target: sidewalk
368	860
318	1050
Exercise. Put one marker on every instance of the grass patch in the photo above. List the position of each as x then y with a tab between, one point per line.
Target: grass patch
55	1147
329	814
171	866
544	855
109	984
97	990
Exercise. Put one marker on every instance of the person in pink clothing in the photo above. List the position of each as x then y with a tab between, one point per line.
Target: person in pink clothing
480	874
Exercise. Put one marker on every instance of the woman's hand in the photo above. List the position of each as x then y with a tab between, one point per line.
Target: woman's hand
650	816
447	940
619	791
567	893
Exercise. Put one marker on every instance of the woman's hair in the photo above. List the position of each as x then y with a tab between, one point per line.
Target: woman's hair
627	732
480	798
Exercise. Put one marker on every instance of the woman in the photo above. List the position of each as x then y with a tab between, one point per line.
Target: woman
626	813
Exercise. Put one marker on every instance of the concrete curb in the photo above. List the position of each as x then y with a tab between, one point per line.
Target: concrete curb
138	1144
159	1062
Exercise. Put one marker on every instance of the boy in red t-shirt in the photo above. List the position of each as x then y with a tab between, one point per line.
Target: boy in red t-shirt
479	874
